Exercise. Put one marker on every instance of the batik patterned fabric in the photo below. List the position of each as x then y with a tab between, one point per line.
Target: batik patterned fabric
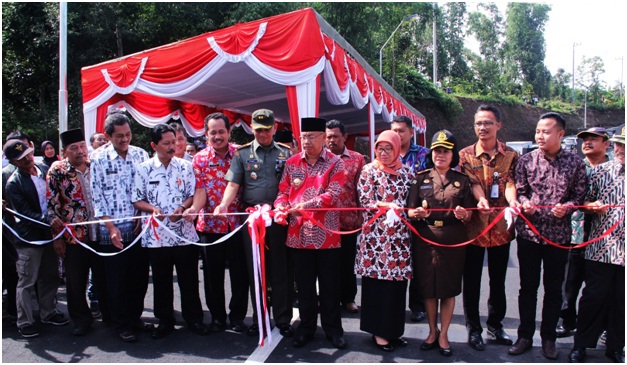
210	170
416	158
488	171
167	189
318	186
353	162
112	179
69	200
607	185
547	183
384	252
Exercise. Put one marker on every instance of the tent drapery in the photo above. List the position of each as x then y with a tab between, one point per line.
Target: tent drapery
290	51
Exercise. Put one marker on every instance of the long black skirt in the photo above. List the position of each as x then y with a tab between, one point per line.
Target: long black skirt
383	307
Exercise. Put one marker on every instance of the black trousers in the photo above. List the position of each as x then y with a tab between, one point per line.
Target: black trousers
498	258
185	259
214	265
574	277
416	301
602	306
279	272
348	279
323	266
538	260
78	261
126	275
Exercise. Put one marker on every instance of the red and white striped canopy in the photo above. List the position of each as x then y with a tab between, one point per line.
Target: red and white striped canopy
283	63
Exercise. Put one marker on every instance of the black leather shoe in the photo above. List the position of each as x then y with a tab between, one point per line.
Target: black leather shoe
338	342
417	316
128	336
198	328
499	336
80	330
616	356
401	342
578	354
521	346
238	326
253	330
388	347
286	330
162	330
548	349
561	331
446	351
217	326
426	346
300	340
143	326
475	341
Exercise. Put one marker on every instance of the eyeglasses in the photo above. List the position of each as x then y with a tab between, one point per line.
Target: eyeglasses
485	124
310	137
387	151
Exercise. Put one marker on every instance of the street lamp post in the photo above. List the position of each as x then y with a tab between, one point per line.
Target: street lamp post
573	90
409	17
620	87
435	49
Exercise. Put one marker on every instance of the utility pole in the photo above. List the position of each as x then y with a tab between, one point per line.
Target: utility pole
435	47
573	90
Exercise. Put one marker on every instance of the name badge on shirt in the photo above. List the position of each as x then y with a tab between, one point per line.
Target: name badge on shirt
153	182
111	171
494	193
426	187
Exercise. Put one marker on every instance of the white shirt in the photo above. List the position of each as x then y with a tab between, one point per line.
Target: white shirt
40	185
112	180
166	188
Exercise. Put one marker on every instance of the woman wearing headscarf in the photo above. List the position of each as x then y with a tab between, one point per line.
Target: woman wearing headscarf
50	155
439	269
384	251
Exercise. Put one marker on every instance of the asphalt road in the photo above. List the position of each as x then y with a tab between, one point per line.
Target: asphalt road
56	344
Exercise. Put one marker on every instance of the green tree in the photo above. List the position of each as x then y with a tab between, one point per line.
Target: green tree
525	45
591	69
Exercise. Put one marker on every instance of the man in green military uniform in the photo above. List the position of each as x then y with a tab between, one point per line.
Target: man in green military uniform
256	168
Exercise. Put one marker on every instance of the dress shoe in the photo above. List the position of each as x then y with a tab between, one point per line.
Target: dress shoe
80	330
351	307
128	336
475	341
521	346
562	331
286	330
578	354
338	341
162	330
616	356
217	326
388	347
238	326
401	342
253	330
417	316
198	328
499	336
143	326
300	340
446	351
426	346
548	349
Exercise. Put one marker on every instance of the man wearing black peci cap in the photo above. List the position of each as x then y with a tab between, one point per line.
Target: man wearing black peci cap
37	264
70	200
313	179
257	167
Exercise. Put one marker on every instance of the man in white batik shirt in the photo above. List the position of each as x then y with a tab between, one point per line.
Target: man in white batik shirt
164	188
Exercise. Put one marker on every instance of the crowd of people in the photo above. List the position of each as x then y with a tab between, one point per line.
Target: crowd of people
415	222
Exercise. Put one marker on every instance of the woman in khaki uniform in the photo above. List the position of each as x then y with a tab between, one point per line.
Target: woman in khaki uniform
439	269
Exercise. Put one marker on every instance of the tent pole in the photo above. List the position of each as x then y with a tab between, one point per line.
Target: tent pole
62	68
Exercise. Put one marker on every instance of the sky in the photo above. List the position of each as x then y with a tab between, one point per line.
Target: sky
597	26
